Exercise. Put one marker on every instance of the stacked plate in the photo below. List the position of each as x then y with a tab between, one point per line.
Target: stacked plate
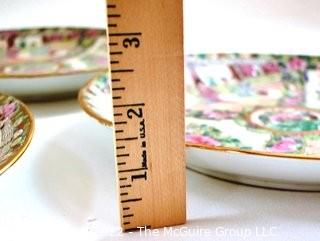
16	130
46	63
41	64
253	119
250	118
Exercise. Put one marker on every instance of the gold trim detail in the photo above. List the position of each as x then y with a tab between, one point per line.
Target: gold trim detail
257	153
6	164
88	109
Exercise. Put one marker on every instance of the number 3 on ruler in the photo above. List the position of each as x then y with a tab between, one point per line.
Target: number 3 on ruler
131	42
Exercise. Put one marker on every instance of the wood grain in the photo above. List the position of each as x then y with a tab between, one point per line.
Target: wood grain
146	51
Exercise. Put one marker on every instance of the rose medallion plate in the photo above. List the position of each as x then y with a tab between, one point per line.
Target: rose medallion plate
95	99
253	119
53	62
16	130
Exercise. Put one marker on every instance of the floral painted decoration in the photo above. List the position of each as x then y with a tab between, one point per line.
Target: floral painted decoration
267	103
272	107
52	51
16	126
94	98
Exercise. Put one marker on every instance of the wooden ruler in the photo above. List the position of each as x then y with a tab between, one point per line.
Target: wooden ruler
146	51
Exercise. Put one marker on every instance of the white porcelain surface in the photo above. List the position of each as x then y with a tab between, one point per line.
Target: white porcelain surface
66	190
265	171
72	194
42	86
273	172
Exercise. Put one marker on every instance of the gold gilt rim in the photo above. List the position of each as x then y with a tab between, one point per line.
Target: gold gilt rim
256	153
109	123
6	164
55	73
87	108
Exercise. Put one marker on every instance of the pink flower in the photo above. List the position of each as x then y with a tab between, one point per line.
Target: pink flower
12	53
92	33
207	92
269	68
247	70
297	64
292	101
7	110
199	139
284	145
286	116
204	90
218	115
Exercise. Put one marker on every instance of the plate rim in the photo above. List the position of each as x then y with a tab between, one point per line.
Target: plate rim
37	75
6	164
109	123
86	107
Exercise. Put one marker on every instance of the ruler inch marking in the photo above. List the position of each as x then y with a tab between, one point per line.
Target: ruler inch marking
121	123
133	170
129	105
115	80
124	186
127	139
124	34
123	155
116	53
131	200
118	88
122	70
145	40
113	44
114	15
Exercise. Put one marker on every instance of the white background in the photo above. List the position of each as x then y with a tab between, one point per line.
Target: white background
63	188
276	26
